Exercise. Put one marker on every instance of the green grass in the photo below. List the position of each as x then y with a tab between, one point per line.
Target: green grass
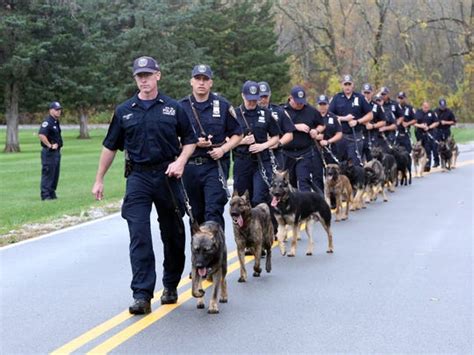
463	135
20	176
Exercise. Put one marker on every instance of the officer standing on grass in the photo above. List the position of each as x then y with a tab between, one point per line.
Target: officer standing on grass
158	136
52	142
446	119
214	121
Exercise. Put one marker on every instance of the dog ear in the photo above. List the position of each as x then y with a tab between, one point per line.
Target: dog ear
235	193
246	195
285	174
195	227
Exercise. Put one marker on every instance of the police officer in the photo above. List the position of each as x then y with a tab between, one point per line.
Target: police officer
301	160
393	115
446	120
370	129
403	132
283	120
52	142
353	112
156	132
377	122
252	164
426	123
206	173
332	131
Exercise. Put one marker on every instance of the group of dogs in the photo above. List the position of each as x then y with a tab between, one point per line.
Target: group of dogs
253	229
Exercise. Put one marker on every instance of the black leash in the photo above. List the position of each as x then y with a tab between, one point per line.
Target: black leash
356	146
327	149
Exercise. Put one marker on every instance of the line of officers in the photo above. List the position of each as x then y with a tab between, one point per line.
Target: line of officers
178	147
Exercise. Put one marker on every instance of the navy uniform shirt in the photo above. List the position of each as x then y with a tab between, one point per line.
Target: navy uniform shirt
445	115
309	116
217	118
258	122
408	115
392	111
425	117
282	118
149	130
356	105
332	124
51	129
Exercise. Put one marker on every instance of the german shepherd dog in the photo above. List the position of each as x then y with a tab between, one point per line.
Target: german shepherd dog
209	259
338	188
375	179
445	155
292	208
454	149
356	176
390	167
253	230
419	158
403	159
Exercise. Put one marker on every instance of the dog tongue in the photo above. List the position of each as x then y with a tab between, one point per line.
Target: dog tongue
274	201
240	221
202	271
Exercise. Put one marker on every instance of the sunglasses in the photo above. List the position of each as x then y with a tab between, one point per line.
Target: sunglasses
347	84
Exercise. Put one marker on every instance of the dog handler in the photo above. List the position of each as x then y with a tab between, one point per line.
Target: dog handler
157	134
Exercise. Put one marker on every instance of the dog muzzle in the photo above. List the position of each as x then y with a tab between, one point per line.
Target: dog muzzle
275	201
237	219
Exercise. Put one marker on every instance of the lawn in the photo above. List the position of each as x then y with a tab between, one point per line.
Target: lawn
20	176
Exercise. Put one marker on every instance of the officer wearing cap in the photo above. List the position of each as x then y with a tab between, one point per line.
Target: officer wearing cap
281	117
403	133
371	128
393	115
206	172
332	132
446	120
158	137
426	124
252	164
52	142
353	112
303	163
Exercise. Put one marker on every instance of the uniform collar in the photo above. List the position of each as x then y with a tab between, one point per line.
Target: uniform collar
206	103
160	98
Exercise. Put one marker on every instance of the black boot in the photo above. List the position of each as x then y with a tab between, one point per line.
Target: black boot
169	296
140	306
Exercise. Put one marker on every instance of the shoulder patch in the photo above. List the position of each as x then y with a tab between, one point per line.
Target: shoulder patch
232	111
44	124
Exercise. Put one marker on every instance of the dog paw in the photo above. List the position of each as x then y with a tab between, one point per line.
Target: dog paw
290	255
338	219
200	306
256	274
241	279
309	253
199	293
223	300
330	251
213	311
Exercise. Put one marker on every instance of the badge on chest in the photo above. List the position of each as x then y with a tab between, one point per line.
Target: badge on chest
356	101
216	110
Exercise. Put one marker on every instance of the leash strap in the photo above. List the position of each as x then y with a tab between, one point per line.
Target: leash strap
356	146
327	149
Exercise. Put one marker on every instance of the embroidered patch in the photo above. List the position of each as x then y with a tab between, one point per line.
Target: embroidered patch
275	116
128	116
202	68
253	90
263	88
44	124
300	94
232	112
169	111
142	62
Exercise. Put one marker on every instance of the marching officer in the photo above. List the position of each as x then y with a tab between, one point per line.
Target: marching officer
157	134
446	119
283	120
206	172
303	163
370	129
332	132
353	112
252	163
52	142
403	133
426	124
393	117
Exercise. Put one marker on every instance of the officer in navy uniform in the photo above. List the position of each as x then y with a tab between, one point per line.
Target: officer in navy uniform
370	129
446	119
52	142
281	117
353	112
332	131
426	124
157	134
403	135
252	163
378	121
393	115
303	163
214	121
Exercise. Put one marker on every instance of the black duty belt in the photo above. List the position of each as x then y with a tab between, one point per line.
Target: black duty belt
199	160
150	167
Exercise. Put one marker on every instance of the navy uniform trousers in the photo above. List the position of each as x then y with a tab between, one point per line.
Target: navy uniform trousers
247	176
306	169
205	191
50	164
145	188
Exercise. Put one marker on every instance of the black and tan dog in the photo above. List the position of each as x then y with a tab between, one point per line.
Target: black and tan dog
338	188
390	167
356	176
419	159
292	208
253	230
445	155
209	259
454	150
375	180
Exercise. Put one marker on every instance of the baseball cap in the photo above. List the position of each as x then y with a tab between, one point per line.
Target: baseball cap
323	99
377	97
442	103
347	79
402	95
298	94
250	90
145	65
384	90
264	88
367	87
55	105
202	69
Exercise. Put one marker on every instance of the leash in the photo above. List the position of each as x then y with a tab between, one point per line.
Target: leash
318	148
222	178
273	161
432	138
386	140
357	148
327	149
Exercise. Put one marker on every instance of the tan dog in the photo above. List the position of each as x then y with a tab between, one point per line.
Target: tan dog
454	150
419	159
338	188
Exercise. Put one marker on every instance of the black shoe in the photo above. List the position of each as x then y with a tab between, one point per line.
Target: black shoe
169	296
140	306
427	169
436	165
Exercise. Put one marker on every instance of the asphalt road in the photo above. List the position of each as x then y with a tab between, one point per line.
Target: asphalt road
400	281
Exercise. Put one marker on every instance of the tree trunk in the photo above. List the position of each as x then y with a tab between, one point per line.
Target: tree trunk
12	143
83	127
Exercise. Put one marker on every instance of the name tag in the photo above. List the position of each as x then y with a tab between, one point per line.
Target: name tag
330	120
393	108
169	111
407	111
216	110
429	114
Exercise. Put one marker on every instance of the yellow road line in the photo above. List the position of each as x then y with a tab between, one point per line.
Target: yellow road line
146	321
115	321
